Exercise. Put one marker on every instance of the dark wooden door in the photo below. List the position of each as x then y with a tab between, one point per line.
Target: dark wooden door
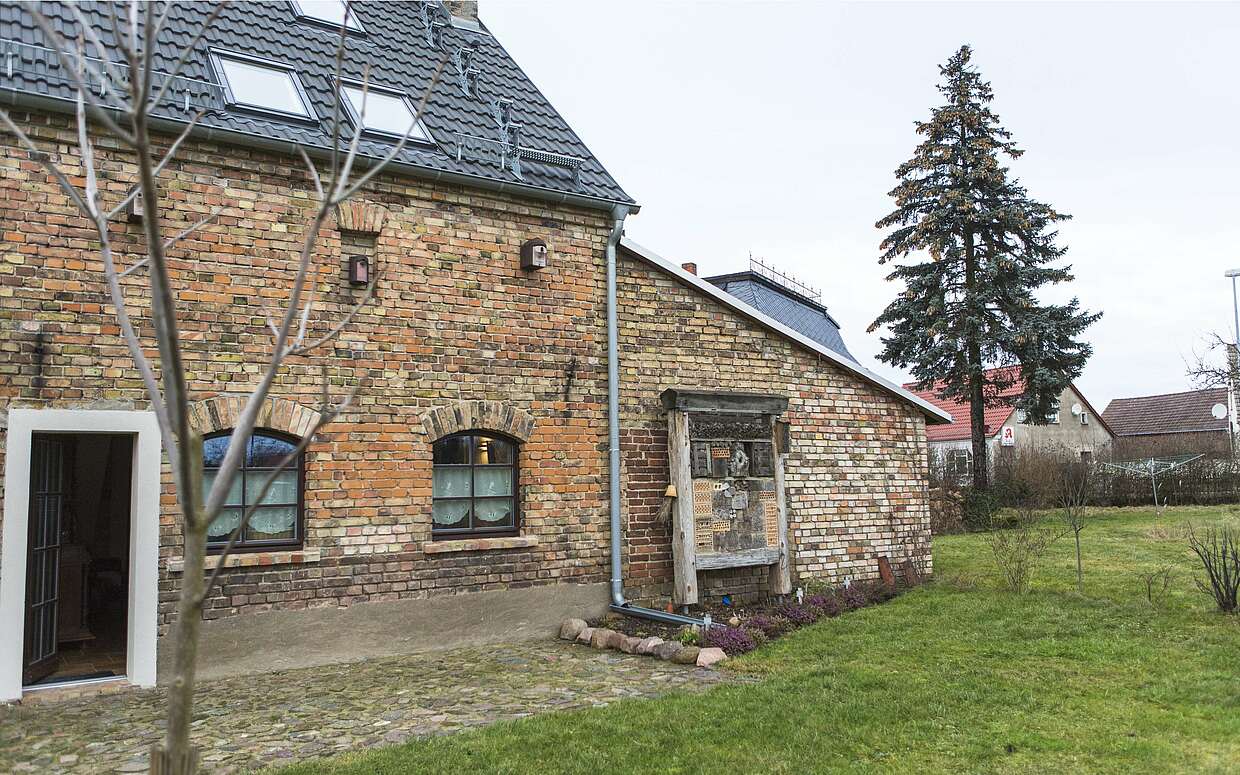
47	498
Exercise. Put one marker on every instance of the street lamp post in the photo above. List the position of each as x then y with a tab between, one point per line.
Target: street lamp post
1233	355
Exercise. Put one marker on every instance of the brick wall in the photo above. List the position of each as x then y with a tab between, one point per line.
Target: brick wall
856	470
455	319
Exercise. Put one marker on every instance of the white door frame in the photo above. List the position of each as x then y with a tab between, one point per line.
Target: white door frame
143	534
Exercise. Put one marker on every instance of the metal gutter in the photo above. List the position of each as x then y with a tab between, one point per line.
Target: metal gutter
252	140
933	413
618	603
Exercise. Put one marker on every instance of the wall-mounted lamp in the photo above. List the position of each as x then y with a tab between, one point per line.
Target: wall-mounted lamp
534	254
359	270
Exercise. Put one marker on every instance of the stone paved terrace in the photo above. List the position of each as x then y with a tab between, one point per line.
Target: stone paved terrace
252	721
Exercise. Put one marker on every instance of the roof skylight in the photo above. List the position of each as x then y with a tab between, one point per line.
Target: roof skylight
386	112
261	85
332	12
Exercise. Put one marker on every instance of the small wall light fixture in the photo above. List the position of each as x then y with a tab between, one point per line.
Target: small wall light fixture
359	270
534	254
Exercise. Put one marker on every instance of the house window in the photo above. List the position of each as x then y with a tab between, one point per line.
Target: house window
277	521
257	84
329	12
475	486
383	111
1052	416
959	463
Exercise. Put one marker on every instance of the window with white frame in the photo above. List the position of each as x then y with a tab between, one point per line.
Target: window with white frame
331	12
1052	416
383	111
958	463
261	85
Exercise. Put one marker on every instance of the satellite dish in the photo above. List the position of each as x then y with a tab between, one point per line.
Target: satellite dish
1218	411
1076	410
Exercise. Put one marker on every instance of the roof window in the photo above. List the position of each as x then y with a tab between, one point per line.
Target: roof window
383	112
261	85
330	12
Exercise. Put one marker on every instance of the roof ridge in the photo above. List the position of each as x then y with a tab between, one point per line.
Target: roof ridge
1168	395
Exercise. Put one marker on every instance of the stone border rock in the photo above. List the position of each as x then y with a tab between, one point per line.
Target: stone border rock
604	639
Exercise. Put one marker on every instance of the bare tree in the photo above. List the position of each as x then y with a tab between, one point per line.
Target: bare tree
1215	366
124	110
1218	549
1074	489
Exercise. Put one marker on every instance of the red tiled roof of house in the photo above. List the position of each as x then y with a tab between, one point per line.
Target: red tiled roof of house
962	427
1187	412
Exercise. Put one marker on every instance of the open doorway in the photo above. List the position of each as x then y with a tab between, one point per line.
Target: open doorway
78	556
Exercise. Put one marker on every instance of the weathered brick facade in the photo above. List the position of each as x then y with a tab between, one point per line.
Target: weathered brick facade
455	319
459	336
856	468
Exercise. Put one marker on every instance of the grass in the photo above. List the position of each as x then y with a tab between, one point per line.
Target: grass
956	677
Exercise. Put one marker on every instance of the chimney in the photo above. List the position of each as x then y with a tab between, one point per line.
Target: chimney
690	267
463	9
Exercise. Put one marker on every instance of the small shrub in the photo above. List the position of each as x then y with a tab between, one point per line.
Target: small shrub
1018	550
854	596
1156	584
689	636
1219	551
828	605
798	615
978	508
770	626
758	636
733	640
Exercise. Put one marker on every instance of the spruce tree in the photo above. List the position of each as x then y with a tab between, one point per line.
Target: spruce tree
983	248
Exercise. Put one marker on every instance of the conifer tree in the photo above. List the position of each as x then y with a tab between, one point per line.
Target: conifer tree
982	250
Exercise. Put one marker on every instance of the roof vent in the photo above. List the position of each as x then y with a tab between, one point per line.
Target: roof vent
784	279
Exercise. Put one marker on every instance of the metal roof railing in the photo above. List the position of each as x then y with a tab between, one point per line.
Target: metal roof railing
509	156
39	70
786	280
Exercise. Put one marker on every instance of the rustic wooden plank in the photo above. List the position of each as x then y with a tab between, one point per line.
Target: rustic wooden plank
781	572
717	401
684	551
739	559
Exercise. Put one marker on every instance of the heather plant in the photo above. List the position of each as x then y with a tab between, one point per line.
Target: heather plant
798	615
854	596
827	605
770	626
733	640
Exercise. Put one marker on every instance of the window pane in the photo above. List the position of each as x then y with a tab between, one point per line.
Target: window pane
493	451
453	451
268	451
450	514
273	522
234	492
224	524
326	10
451	483
283	489
383	112
262	87
492	481
493	512
214	449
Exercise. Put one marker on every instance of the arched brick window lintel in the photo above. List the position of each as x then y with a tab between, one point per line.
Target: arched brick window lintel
220	413
494	416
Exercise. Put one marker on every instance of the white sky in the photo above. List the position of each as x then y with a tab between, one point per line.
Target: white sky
776	128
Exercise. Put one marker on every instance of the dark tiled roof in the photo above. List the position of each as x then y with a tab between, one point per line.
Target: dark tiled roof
800	313
1187	412
395	47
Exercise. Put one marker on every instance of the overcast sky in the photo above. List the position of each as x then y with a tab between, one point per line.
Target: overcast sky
775	128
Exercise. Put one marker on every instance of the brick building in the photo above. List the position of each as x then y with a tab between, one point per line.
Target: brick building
468	493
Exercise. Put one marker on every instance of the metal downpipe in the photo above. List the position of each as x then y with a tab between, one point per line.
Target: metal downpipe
618	603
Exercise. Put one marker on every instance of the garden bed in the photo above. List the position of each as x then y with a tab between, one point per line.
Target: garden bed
733	630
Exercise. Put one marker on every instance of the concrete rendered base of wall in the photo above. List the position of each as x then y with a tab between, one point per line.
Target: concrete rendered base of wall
282	640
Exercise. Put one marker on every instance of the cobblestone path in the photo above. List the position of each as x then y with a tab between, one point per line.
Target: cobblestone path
253	721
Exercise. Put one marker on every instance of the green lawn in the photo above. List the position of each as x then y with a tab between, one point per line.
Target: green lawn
957	676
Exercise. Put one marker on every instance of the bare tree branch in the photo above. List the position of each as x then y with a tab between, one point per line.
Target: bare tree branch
335	330
211	216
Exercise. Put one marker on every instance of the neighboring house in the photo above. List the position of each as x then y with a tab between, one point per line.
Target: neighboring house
1171	424
1075	427
466	495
